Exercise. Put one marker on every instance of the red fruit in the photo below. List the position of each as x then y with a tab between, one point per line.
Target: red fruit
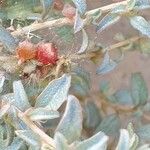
47	53
25	51
69	11
58	4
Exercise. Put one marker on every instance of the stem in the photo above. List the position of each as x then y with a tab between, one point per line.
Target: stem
47	139
62	21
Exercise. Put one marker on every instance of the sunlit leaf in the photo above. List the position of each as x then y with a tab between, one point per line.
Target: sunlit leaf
85	41
131	4
96	142
142	4
21	99
139	89
107	65
139	23
2	80
78	24
80	5
55	93
144	147
42	114
108	20
118	9
110	125
7	39
124	140
71	123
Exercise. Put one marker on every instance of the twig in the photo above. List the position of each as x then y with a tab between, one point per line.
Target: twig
44	137
62	21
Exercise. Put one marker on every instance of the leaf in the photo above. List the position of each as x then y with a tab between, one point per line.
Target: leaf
2	80
60	142
47	4
80	5
55	93
109	125
118	9
8	40
124	140
144	147
139	89
78	24
131	4
85	42
21	99
71	123
139	23
108	20
30	137
142	4
42	114
96	142
92	115
144	132
4	110
107	65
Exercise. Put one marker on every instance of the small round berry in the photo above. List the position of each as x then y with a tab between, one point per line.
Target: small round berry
58	5
25	51
69	11
47	53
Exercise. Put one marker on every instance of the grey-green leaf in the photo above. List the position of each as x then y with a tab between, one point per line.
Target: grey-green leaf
42	114
110	125
139	23
80	5
55	93
108	20
124	140
131	4
60	142
9	42
71	123
139	89
2	80
96	142
21	99
142	4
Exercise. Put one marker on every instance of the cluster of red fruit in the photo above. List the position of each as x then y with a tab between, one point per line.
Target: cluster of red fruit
44	53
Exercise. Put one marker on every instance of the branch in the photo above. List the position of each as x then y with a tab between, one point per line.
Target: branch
62	21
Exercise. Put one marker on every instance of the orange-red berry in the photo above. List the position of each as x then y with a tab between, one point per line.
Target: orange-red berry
47	53
25	51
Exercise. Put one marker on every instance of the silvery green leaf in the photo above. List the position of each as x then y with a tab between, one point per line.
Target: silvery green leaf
55	93
108	20
107	65
142	4
139	89
42	114
85	42
7	39
47	4
118	9
17	144
61	142
4	110
2	80
78	24
21	99
96	142
71	123
124	140
92	115
131	4
144	132
29	137
139	23
110	125
144	147
8	98
80	5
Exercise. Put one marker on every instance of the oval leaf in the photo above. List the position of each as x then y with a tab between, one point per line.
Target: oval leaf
142	4
139	23
55	93
71	123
